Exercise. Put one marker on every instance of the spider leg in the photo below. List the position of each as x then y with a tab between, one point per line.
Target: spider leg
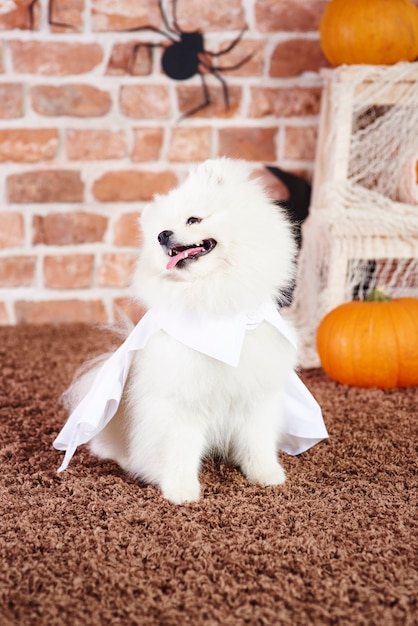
51	21
31	10
215	72
153	29
165	20
224	87
233	67
201	106
229	48
213	68
175	22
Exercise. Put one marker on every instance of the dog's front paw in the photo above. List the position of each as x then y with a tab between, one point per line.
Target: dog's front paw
272	475
179	492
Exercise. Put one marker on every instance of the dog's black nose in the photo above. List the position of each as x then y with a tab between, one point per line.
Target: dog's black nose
164	237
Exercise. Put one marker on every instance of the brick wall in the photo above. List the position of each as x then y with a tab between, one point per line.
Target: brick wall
89	131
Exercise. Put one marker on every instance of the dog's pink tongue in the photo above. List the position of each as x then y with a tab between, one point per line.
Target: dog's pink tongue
183	255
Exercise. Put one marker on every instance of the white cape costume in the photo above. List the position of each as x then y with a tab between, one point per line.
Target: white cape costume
220	337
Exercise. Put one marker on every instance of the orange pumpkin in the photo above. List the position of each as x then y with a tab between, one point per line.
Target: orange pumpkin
378	32
371	344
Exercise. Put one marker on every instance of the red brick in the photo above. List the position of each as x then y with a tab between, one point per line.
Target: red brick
211	16
145	101
45	186
300	142
126	231
4	316
295	56
28	145
66	15
285	102
148	143
116	269
190	144
11	230
59	311
253	144
129	58
122	15
288	15
62	229
71	271
21	14
87	145
190	96
17	271
128	307
131	186
11	100
48	58
74	100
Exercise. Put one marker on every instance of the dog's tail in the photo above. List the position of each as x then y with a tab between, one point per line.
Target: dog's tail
86	373
82	382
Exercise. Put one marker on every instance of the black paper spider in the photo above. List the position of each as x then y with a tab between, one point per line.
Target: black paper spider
186	56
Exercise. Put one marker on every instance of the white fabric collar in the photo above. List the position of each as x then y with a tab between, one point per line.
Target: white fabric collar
220	337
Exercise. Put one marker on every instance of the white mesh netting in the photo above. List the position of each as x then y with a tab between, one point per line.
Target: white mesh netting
362	230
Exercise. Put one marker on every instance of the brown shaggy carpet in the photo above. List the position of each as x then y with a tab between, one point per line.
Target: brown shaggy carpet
338	544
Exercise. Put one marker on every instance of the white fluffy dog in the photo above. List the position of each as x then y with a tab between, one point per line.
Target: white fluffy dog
215	246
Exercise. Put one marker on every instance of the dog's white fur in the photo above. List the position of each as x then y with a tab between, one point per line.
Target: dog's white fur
178	404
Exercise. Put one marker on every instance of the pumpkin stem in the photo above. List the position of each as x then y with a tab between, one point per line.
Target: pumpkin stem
377	294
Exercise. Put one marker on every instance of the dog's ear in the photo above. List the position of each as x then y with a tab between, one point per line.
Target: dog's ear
212	173
146	214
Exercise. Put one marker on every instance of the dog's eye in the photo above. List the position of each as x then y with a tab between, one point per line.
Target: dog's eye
193	220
